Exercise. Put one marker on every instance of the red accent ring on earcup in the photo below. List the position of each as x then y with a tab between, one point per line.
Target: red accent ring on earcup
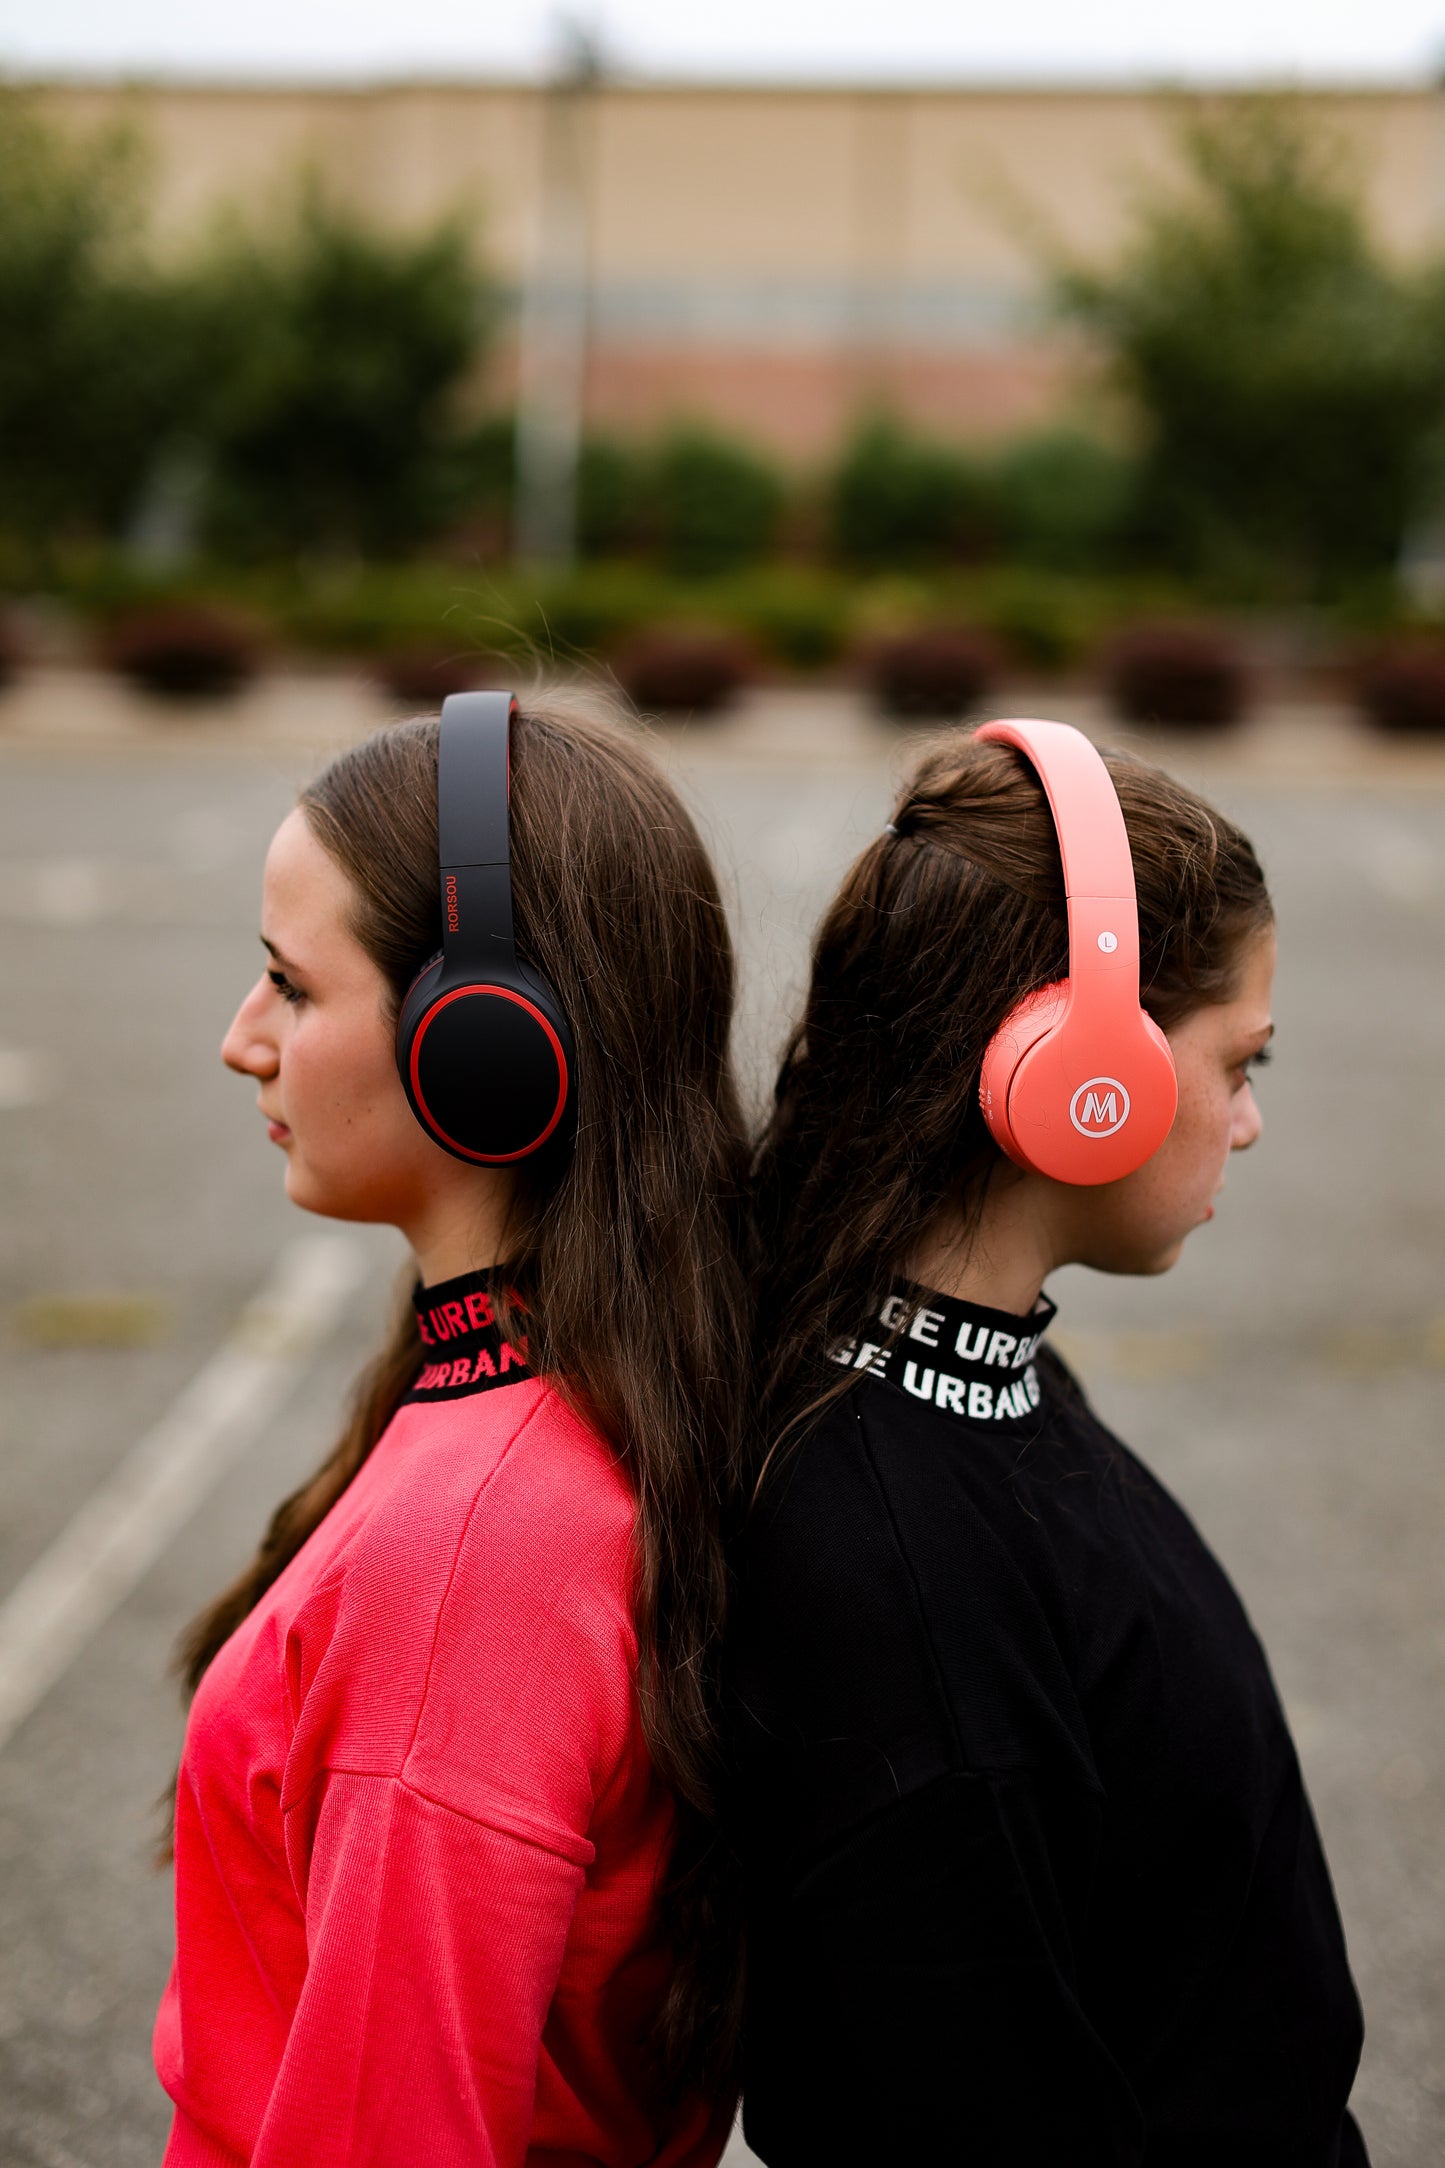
487	1073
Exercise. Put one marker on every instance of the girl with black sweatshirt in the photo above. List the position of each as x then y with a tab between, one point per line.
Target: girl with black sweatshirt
1032	1878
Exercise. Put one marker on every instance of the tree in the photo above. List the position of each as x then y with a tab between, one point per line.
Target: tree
304	382
338	421
97	353
1287	380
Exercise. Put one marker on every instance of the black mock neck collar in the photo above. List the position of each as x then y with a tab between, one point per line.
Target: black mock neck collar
463	1351
959	1358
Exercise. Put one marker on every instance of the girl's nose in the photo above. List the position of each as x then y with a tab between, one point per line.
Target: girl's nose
249	1046
1248	1121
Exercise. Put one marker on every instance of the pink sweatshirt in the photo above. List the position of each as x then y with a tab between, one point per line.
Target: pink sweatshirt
418	1835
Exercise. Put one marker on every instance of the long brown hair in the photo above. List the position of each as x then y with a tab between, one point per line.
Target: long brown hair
624	1255
946	921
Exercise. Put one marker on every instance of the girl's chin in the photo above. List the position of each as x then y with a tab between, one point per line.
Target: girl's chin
301	1189
327	1201
1160	1257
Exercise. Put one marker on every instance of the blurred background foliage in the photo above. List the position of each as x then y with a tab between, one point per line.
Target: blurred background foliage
1286	384
296	418
293	386
333	418
695	502
97	348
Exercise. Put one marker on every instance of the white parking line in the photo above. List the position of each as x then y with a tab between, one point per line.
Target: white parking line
127	1523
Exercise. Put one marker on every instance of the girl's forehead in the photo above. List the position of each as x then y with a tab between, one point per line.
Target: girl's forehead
306	896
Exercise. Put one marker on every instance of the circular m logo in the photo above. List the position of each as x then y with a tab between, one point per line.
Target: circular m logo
1100	1107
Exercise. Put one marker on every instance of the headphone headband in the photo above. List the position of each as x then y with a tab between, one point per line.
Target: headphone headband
1094	847
473	841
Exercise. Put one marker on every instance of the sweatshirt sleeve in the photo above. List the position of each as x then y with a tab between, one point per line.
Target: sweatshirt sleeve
434	1944
940	1941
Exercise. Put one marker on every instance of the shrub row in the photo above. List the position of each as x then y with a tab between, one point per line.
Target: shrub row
1180	674
1185	676
797	617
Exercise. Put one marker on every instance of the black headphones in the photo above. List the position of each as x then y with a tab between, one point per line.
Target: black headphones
483	1048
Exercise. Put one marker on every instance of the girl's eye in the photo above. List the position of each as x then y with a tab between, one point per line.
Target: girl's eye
284	988
1261	1060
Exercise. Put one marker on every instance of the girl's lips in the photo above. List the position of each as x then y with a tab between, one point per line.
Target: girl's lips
277	1132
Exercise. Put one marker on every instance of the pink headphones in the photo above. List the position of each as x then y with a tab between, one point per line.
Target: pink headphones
1078	1083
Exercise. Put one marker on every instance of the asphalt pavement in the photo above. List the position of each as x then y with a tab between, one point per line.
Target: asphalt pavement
1285	1379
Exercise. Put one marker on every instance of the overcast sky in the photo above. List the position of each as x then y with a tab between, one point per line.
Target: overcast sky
795	38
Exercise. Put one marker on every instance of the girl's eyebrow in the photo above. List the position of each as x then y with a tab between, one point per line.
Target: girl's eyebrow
275	953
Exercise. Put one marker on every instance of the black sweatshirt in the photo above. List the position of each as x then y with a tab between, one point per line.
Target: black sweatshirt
1033	1881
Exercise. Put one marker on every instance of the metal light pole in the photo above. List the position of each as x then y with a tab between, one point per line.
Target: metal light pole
552	362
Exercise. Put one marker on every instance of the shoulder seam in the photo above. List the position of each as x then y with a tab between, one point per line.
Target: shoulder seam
445	1806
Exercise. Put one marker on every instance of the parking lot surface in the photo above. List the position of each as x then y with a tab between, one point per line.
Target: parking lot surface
1285	1380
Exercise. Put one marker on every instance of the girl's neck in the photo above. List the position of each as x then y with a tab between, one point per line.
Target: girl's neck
1002	1260
462	1226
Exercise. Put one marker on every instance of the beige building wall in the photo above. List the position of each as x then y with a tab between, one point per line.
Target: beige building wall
772	259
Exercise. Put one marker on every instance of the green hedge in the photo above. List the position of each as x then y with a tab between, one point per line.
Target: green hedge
695	502
797	619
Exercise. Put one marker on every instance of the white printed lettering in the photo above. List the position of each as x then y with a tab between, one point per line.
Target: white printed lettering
980	1402
892	1311
1000	1347
971	1354
925	1327
1031	1385
950	1393
921	1390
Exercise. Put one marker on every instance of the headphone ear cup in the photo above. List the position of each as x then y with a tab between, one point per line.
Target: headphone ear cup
1074	1101
414	1005
1023	1027
486	1066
